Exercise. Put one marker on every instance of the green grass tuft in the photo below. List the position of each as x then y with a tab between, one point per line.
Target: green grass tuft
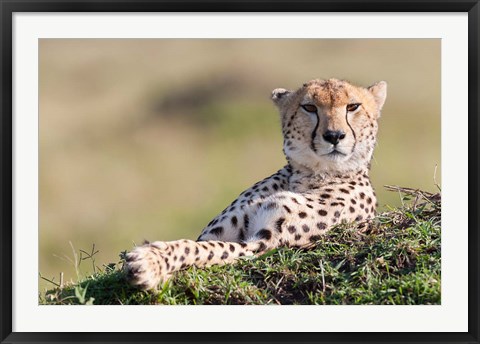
395	259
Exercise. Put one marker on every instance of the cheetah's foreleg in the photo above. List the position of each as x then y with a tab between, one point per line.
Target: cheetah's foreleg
151	264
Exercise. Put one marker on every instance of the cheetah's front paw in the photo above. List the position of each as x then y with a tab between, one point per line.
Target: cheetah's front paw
145	265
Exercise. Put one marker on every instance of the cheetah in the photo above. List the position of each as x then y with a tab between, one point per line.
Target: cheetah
329	132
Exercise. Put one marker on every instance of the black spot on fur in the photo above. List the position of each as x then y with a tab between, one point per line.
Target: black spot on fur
325	196
231	247
352	209
292	229
234	221
305	228
197	251
264	234
246	221
217	231
314	238
321	225
322	212
297	237
224	255
344	191
210	255
270	206
261	247
187	250
279	223
302	214
287	209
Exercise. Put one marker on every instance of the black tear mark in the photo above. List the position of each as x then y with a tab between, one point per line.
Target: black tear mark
353	131
314	133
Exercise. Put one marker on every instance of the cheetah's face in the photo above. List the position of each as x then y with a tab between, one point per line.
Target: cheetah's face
330	125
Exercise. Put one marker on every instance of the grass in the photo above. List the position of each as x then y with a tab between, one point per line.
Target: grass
395	259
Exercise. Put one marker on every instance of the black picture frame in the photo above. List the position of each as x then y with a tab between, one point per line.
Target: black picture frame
9	7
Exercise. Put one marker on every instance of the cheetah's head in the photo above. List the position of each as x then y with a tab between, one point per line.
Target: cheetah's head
330	126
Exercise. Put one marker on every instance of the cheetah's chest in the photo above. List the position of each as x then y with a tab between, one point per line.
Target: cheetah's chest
339	199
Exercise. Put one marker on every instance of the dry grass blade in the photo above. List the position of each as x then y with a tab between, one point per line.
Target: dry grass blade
423	203
432	198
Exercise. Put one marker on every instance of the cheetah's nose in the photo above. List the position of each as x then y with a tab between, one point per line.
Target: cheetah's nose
333	136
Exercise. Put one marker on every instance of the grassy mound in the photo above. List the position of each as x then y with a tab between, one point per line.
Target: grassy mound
395	259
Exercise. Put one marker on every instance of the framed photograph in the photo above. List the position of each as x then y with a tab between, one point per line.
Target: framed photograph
128	126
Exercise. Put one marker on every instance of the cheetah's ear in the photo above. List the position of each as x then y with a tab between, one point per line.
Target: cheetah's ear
379	91
279	95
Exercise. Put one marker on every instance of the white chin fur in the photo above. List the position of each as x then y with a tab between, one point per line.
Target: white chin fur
335	157
330	154
317	162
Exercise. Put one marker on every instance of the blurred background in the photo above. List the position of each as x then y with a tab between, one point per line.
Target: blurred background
150	139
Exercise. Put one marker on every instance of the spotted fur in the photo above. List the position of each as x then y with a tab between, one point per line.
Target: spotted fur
329	132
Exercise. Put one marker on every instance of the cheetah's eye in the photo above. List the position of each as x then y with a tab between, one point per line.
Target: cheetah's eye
309	108
353	107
